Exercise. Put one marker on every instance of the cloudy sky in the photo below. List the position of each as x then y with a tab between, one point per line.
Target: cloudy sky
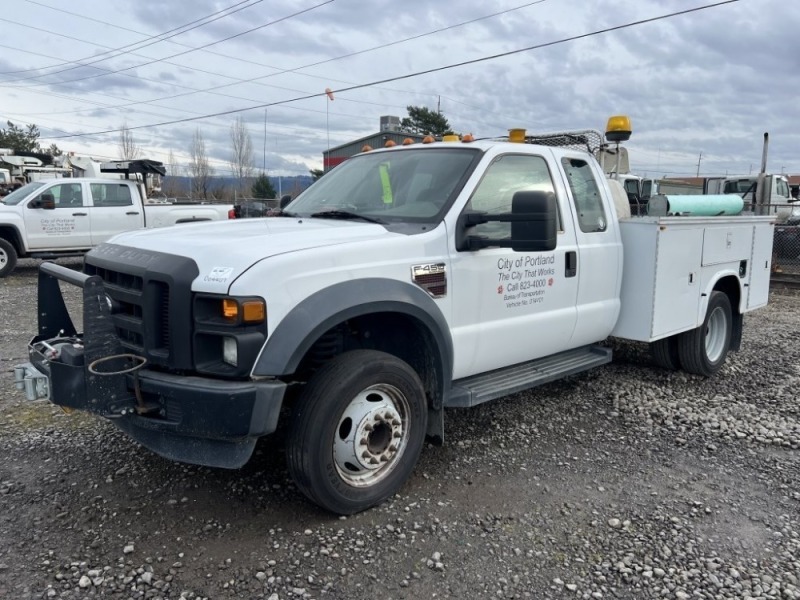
701	88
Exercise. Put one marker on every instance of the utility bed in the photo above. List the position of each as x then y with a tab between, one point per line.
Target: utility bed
669	261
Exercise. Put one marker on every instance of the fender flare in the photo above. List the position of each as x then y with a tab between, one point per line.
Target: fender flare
307	321
15	238
737	310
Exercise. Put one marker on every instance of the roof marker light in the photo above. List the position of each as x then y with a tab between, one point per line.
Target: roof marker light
516	135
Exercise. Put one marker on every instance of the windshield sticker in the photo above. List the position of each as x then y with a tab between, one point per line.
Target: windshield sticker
218	275
524	281
386	183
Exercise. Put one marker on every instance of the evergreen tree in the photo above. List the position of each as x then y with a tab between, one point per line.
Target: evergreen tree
262	187
424	120
25	139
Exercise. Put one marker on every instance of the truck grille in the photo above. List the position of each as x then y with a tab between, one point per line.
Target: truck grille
141	316
152	301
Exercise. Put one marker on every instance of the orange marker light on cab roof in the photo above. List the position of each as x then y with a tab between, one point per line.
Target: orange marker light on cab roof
468	137
366	148
428	139
516	135
408	142
389	144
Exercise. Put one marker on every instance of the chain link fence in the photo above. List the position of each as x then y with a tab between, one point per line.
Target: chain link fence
786	249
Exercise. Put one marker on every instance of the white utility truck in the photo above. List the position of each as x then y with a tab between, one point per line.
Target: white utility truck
406	281
66	217
777	197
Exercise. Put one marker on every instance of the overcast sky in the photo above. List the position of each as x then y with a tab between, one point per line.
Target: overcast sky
700	88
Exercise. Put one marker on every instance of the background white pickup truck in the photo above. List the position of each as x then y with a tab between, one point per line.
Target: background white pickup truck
66	217
404	282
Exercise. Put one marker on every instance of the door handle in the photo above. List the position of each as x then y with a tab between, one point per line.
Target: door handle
571	264
133	212
79	214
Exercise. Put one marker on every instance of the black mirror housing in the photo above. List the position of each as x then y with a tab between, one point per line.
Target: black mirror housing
534	227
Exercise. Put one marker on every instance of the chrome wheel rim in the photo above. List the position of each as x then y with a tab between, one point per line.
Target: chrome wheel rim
716	332
371	435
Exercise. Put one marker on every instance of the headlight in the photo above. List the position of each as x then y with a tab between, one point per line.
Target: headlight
229	332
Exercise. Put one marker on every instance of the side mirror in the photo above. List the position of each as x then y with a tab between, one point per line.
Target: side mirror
45	201
285	199
534	228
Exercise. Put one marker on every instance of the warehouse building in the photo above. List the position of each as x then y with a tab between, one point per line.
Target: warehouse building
389	130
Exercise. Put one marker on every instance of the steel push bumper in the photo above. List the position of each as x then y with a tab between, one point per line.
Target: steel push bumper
186	418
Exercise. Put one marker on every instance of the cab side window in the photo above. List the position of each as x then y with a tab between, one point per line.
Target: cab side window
66	195
111	194
585	195
508	174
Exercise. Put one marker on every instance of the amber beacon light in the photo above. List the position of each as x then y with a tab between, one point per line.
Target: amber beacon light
618	129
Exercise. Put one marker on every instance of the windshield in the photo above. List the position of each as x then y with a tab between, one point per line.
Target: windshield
19	195
782	188
414	184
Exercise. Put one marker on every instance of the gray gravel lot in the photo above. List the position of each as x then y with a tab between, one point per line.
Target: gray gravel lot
626	482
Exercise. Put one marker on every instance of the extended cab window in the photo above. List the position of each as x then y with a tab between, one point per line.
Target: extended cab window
508	174
111	194
585	195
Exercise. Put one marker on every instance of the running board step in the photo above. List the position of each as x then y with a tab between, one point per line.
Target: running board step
502	382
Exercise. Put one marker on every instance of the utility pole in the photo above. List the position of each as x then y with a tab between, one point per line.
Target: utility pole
264	168
699	158
438	105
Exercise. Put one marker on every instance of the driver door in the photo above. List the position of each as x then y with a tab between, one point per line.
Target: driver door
510	307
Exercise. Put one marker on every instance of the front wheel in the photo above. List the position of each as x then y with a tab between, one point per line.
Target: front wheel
703	350
357	431
8	257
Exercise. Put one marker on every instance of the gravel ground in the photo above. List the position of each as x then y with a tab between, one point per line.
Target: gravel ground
625	482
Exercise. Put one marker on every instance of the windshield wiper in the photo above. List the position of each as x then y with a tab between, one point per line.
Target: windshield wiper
344	214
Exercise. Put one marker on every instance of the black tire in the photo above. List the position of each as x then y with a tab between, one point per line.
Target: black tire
665	353
8	257
357	431
702	351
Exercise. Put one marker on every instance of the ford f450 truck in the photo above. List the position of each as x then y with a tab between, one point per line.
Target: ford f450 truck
406	281
62	217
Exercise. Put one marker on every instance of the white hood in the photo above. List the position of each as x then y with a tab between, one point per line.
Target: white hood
224	250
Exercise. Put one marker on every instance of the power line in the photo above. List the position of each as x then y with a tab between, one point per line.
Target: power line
428	71
274	22
255	80
150	40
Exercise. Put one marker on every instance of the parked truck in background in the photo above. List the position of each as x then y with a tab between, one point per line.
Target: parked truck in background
407	281
67	217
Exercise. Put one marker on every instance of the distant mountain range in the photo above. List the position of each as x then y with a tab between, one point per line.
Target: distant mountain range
181	185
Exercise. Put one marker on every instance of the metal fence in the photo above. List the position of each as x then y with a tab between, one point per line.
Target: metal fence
786	249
